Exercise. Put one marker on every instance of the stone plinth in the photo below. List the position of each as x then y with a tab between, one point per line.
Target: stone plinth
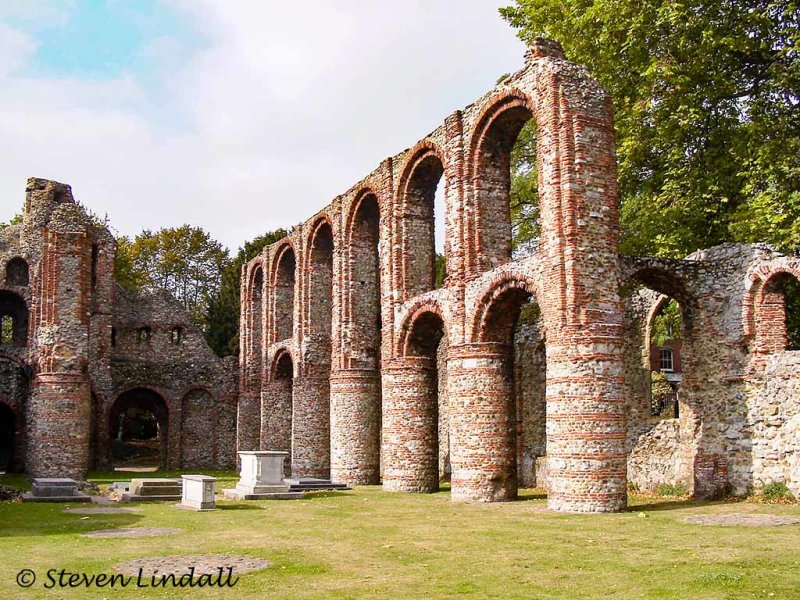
55	489
153	489
261	477
198	492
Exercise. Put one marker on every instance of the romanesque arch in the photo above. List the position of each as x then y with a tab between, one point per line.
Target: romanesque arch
491	141
138	427
311	390
417	190
282	287
764	305
13	319
276	404
17	272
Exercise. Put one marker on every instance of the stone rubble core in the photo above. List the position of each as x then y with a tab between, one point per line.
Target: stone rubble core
353	363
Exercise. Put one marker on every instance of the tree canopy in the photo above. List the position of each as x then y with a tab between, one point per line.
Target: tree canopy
184	261
707	110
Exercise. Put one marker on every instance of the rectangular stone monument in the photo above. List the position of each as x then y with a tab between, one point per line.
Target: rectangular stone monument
153	489
198	492
55	489
261	477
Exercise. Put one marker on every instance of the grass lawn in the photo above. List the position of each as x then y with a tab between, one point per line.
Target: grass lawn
371	544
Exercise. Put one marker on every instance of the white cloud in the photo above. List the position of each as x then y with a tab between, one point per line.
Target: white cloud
283	107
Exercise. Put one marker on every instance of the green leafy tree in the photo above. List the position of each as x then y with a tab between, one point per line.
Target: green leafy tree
184	261
706	96
667	325
15	220
222	309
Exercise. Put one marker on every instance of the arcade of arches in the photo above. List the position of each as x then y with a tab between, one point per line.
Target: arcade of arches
528	370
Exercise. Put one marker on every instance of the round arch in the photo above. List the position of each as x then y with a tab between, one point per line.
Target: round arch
138	426
497	311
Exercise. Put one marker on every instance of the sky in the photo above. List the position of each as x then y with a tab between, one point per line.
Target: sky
238	116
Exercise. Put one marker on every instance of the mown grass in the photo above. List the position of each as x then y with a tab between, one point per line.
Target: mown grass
371	544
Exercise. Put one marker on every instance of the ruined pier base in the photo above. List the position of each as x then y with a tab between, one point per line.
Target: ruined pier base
355	426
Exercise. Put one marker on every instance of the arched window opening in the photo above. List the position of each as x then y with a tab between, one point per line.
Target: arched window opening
284	294
145	333
95	255
176	336
13	319
138	427
17	272
423	226
513	318
506	184
320	304
778	314
666	367
113	337
365	292
428	339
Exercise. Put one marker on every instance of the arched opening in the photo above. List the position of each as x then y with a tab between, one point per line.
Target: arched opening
311	391
424	261
13	319
495	154
283	286
8	427
138	427
365	293
428	340
276	407
17	272
664	342
256	320
778	314
513	320
197	424
355	395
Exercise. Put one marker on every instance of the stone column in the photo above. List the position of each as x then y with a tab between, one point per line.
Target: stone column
480	393
311	443
355	426
410	449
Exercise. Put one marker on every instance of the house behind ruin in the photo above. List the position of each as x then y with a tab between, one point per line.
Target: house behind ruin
91	374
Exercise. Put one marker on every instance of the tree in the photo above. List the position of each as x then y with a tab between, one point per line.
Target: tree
15	220
667	325
706	96
184	261
222	309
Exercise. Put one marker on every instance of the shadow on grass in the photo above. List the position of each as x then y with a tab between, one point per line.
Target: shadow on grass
665	504
44	519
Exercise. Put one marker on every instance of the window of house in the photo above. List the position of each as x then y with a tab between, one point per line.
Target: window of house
666	357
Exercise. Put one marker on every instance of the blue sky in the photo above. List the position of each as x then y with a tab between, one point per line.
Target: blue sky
239	116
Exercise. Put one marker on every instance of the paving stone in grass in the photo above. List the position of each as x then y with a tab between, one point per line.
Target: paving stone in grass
204	564
105	510
132	532
747	520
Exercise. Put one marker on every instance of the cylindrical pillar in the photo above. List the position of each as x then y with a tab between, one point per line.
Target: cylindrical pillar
410	448
483	453
586	458
276	417
58	425
311	442
355	426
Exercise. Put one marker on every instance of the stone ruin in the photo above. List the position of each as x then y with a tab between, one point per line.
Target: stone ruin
355	363
358	366
78	354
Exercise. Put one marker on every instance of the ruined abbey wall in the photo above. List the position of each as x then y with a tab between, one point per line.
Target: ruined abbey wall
357	365
82	349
